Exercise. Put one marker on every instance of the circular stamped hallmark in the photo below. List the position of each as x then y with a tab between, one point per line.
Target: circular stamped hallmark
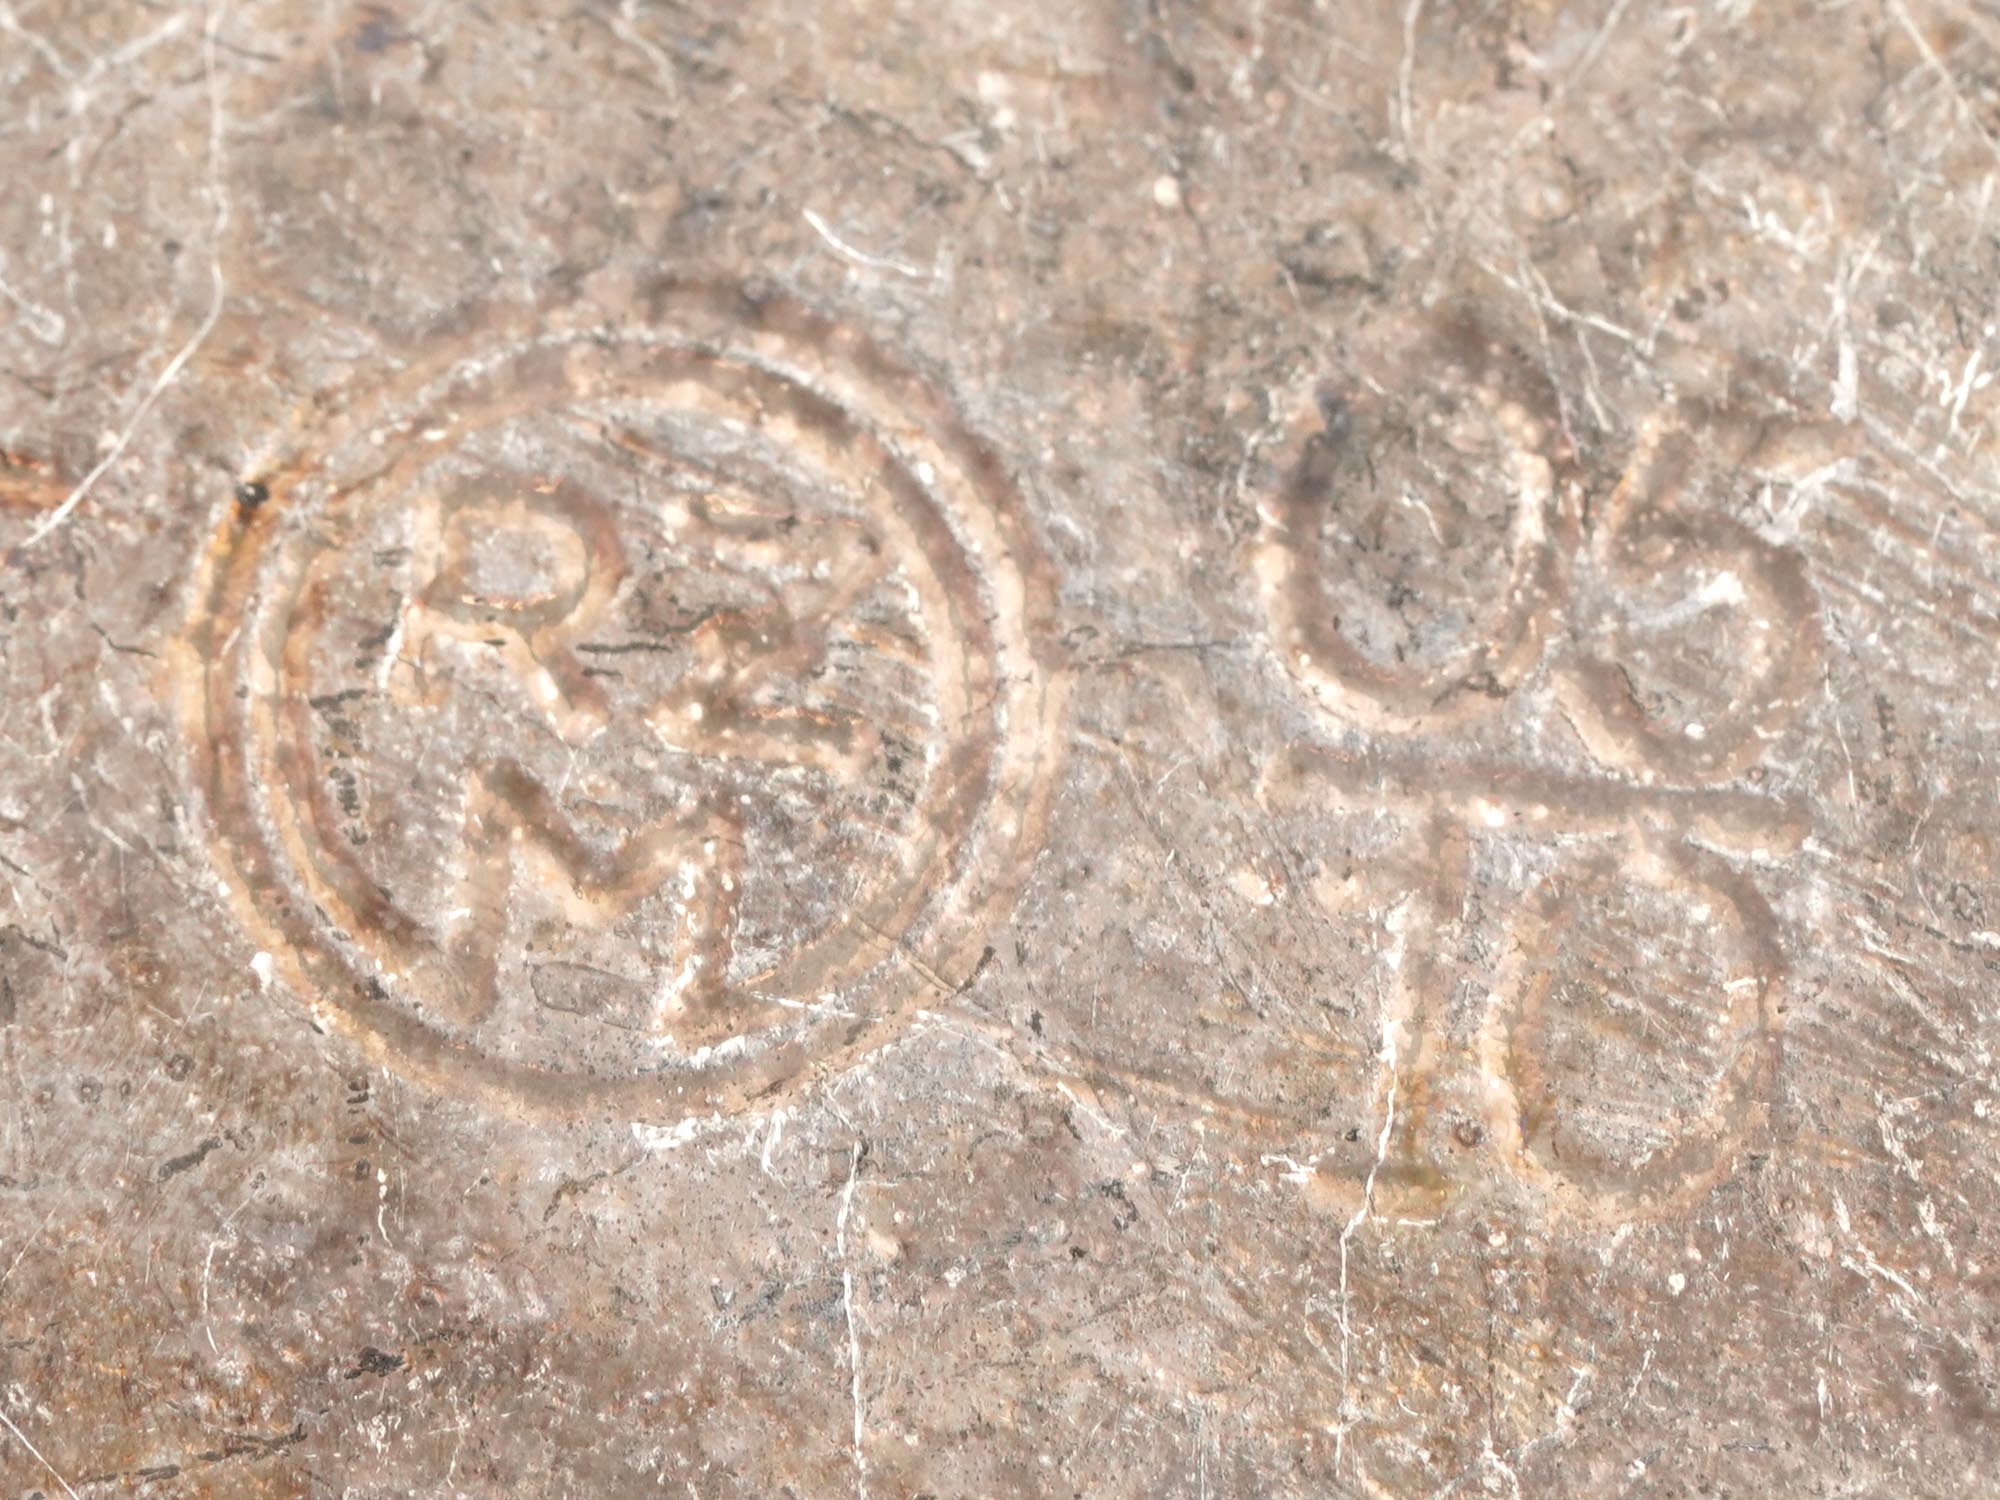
639	713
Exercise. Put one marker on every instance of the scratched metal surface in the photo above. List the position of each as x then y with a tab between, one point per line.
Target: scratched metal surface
983	749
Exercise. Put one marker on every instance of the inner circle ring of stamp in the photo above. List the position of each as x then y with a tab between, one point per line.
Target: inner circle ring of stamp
733	638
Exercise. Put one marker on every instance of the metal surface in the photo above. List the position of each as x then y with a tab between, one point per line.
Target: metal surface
1139	749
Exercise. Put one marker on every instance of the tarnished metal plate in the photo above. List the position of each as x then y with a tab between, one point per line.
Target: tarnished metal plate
1133	750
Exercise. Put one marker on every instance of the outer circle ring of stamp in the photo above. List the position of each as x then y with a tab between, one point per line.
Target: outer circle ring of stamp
776	397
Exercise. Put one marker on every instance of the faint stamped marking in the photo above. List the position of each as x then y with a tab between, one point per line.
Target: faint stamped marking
1630	1037
1700	562
647	711
1414	551
1632	1042
1615	1060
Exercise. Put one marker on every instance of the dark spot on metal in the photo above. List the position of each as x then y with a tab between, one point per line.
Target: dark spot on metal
175	1165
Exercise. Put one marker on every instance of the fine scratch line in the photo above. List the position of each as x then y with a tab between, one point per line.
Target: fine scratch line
1360	1217
1406	75
219	196
1960	105
862	257
22	1438
847	1306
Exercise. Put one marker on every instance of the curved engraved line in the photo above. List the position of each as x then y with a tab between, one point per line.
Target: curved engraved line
1340	677
571	608
1027	699
1595	693
1028	691
1700	1155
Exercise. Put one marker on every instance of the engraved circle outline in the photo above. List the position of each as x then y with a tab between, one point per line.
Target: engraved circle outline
1510	639
811	368
1696	1158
